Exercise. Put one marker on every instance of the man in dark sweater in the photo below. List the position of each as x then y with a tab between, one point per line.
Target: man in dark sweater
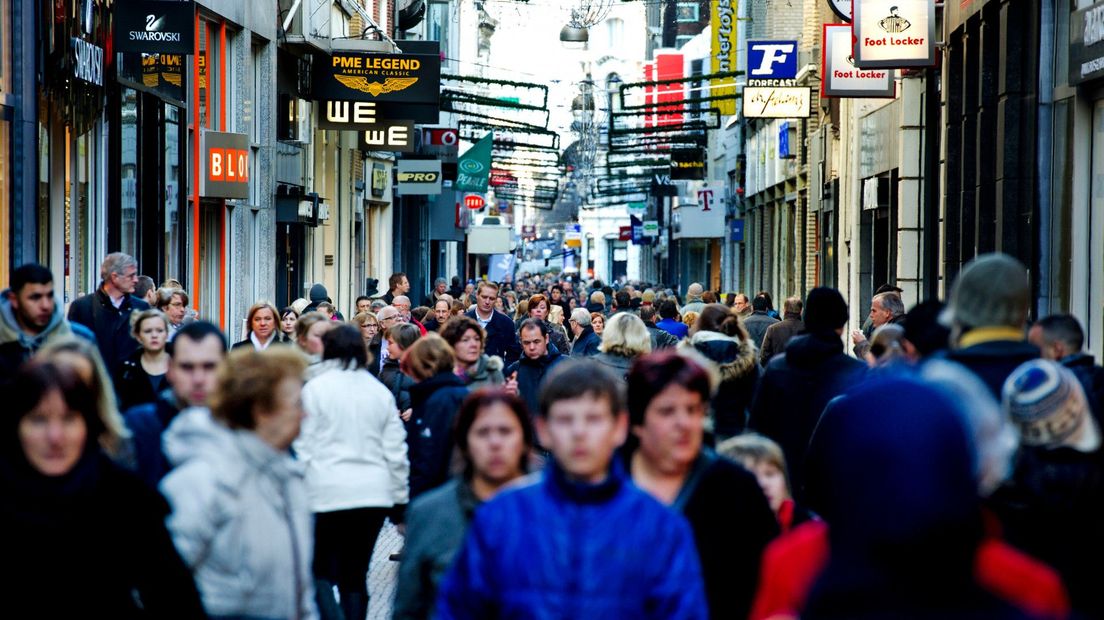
107	310
526	376
501	338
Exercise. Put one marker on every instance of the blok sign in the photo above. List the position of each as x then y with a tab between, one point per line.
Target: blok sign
155	26
840	76
225	165
894	33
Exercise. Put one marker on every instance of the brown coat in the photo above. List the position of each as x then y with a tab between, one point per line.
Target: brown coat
778	335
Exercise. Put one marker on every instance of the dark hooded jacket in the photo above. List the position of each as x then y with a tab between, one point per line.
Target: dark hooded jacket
133	385
110	324
16	346
994	360
904	528
397	383
435	403
531	373
738	363
586	344
146	423
794	391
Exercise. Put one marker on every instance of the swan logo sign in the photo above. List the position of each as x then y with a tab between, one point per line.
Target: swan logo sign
155	27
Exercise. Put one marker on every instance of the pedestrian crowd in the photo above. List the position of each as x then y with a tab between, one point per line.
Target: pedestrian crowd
551	448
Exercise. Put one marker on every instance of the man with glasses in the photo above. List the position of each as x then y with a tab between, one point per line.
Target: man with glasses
388	316
107	311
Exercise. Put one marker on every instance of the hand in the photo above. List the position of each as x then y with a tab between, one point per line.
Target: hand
511	384
406	415
857	337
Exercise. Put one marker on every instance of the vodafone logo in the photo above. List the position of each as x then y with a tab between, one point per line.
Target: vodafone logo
441	137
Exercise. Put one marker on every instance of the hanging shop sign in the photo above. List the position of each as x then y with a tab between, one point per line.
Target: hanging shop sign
1086	54
225	165
722	53
688	164
155	26
397	78
663	186
440	142
736	230
397	137
88	62
474	202
839	75
777	102
418	177
379	180
703	218
894	33
841	8
651	228
473	170
771	60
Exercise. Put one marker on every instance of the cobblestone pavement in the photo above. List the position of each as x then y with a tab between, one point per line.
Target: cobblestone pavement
383	573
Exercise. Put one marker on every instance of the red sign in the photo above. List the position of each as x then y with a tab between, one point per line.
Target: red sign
625	233
440	137
474	201
500	178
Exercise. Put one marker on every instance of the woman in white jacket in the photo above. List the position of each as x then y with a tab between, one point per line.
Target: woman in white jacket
354	448
240	516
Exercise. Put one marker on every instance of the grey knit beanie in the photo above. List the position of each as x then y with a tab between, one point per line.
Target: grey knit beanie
992	290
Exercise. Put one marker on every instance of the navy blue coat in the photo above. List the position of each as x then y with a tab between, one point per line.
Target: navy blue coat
558	549
586	344
501	337
994	360
147	422
530	375
435	403
110	325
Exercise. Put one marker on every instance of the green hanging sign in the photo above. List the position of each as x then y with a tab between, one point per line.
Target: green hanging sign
473	169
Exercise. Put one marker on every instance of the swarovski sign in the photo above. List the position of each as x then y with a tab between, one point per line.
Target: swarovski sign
155	27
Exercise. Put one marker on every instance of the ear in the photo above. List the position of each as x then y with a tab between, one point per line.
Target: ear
621	427
542	430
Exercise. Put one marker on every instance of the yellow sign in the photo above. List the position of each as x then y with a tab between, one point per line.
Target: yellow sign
722	21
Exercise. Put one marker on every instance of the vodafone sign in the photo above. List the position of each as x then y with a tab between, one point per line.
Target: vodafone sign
474	202
225	164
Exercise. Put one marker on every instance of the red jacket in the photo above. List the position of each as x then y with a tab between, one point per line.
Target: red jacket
794	561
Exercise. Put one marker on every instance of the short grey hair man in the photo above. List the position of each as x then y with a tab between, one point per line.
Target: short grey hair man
580	317
116	262
891	302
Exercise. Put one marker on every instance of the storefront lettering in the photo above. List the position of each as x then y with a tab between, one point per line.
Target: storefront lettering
1094	25
891	41
874	75
359	111
394	136
229	165
87	62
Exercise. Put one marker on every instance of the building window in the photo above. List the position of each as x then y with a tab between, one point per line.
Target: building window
681	40
687	13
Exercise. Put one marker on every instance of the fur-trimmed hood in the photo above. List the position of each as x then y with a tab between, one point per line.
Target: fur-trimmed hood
735	358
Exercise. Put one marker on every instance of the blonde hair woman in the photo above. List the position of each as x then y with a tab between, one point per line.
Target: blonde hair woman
261	325
623	340
141	377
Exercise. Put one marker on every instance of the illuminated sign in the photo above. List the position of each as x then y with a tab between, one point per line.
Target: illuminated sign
362	76
88	61
839	75
474	202
894	33
155	26
225	165
777	102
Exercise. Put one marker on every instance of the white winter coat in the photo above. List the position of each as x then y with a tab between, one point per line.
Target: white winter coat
352	443
240	519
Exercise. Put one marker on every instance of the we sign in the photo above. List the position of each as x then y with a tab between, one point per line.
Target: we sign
225	165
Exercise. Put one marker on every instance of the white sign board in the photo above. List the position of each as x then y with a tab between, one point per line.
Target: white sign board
840	76
651	228
777	102
704	218
894	33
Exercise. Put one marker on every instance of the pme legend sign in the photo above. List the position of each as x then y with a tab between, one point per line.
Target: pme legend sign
840	76
359	76
894	33
154	26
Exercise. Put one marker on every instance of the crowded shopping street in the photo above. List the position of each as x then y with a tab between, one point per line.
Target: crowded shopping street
552	309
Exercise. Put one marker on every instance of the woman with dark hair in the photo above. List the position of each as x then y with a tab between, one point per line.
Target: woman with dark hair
540	308
288	318
261	327
354	453
397	339
241	519
668	394
719	335
435	400
494	437
80	533
468	340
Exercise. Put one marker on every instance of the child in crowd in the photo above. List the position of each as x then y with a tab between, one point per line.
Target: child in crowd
764	458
